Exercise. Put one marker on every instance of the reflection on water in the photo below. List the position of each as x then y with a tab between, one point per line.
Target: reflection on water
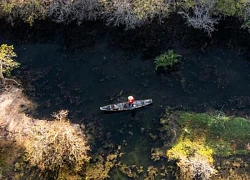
82	78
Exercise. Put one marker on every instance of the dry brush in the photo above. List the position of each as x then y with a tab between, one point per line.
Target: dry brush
48	145
195	167
200	15
54	144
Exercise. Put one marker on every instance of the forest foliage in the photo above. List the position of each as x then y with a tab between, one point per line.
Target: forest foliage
200	14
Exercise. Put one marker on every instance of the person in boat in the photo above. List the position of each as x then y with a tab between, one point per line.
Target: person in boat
131	101
114	107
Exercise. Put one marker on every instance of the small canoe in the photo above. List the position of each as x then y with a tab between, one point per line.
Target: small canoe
124	106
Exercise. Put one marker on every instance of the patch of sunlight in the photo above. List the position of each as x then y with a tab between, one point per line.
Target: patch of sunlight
185	147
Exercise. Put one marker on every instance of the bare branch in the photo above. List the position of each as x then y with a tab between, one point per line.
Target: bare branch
61	115
61	11
87	9
200	16
120	12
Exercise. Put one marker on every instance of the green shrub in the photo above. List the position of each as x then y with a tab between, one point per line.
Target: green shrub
167	60
6	8
231	7
6	60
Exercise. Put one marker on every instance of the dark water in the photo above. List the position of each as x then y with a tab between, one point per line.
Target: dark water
82	68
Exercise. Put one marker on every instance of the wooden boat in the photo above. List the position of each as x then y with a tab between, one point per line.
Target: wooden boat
124	106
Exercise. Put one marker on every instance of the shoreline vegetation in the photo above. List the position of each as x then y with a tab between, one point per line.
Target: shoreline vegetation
203	138
199	14
46	145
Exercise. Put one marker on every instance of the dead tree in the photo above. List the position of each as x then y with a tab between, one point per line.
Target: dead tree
200	17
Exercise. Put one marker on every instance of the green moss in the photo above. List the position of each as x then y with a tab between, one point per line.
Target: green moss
186	148
210	135
231	7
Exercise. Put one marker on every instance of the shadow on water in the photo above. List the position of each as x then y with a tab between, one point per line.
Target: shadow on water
83	68
132	112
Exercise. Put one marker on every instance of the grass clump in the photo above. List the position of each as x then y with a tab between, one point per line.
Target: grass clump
167	60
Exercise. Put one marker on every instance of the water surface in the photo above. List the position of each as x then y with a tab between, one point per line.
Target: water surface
82	72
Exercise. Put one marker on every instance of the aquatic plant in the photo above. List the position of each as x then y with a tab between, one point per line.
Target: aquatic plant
202	136
132	171
102	167
152	172
156	154
167	60
218	127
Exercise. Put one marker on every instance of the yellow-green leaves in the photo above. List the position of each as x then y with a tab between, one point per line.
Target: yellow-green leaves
6	7
6	59
231	7
188	147
167	60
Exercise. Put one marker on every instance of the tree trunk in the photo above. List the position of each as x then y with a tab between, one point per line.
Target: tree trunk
2	79
5	81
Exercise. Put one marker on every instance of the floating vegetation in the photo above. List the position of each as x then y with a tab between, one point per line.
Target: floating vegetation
152	172
102	166
203	136
167	60
132	171
156	154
